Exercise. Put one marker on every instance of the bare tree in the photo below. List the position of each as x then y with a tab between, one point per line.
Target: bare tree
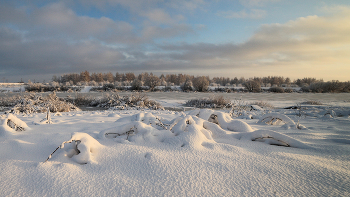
152	81
252	86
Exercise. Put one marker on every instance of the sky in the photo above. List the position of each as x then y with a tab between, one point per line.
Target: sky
228	38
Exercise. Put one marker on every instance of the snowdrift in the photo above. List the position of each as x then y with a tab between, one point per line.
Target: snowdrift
165	153
11	124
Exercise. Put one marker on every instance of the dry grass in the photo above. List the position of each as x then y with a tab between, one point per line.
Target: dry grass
263	104
112	99
35	103
312	102
214	102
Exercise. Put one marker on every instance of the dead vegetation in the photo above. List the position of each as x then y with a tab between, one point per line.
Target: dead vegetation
36	103
213	102
114	100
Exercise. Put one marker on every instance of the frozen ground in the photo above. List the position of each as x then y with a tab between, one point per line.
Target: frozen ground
167	153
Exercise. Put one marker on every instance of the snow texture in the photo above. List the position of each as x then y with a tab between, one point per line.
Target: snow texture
167	153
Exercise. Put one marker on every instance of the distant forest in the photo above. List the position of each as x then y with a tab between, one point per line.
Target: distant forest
174	79
198	83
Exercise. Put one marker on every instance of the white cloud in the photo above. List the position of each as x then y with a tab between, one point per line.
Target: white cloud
317	46
54	39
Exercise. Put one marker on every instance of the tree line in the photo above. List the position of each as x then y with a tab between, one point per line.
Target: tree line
176	79
197	83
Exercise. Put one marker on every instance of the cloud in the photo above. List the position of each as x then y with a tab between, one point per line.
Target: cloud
252	13
165	32
53	56
314	45
138	6
54	39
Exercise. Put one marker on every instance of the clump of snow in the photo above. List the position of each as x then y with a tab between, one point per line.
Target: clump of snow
226	122
12	124
223	119
147	118
276	119
272	138
135	131
84	149
86	89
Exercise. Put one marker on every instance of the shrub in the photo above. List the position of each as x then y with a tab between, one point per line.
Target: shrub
312	102
187	86
136	85
330	86
114	100
276	89
288	90
152	81
108	87
34	103
215	102
263	104
201	84
252	86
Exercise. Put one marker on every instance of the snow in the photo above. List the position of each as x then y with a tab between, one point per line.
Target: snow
168	153
86	89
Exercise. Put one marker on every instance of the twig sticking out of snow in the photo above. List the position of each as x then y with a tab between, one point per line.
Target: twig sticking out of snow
83	147
275	119
14	126
47	119
59	147
131	131
161	124
15	123
49	157
269	137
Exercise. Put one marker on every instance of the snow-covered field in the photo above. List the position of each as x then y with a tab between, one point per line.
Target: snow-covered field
272	152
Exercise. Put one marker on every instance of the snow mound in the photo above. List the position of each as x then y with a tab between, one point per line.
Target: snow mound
84	148
276	119
86	89
113	115
147	118
135	131
201	113
272	138
11	124
226	122
190	133
267	136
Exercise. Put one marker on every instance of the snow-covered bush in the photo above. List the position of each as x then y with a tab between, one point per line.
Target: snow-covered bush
113	100
34	103
136	85
187	85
